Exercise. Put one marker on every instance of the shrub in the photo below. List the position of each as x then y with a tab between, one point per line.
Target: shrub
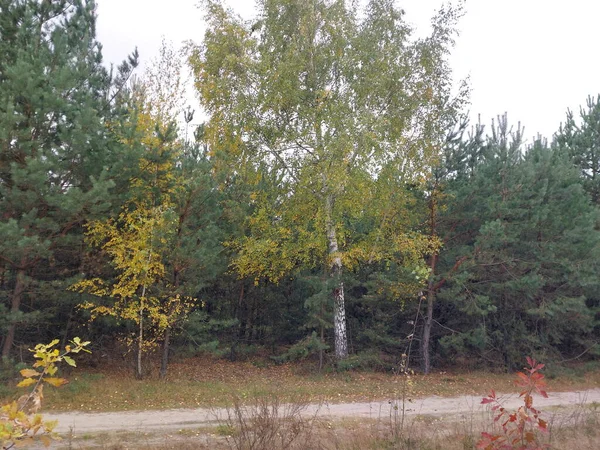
268	424
364	361
521	428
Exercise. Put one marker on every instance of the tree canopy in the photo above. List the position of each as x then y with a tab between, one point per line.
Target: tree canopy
333	106
329	201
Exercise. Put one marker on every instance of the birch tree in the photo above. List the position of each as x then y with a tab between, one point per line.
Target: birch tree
161	241
327	99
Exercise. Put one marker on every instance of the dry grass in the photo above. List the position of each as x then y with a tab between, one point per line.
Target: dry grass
267	423
578	429
206	382
269	427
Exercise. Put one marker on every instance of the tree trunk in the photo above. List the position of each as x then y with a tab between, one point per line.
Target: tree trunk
14	309
322	332
165	353
139	372
239	313
425	338
250	316
339	306
166	345
431	287
425	353
67	326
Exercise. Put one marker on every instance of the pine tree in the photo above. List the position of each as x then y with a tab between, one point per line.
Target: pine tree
53	137
529	232
580	141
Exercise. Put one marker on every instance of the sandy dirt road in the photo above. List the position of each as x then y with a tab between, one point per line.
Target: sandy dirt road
179	419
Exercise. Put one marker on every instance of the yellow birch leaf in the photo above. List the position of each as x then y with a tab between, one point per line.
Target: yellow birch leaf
27	382
28	373
56	382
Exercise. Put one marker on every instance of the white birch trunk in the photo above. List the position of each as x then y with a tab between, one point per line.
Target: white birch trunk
339	306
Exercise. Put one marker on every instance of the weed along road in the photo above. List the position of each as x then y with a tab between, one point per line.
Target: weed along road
178	419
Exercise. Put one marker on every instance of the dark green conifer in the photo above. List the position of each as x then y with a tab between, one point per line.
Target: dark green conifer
54	103
532	246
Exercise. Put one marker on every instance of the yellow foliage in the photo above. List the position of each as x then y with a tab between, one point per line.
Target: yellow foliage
56	382
20	425
26	382
29	373
142	235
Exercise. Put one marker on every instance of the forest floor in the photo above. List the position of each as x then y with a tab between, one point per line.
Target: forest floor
211	382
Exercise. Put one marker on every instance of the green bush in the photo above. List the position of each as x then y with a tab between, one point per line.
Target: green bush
308	346
364	361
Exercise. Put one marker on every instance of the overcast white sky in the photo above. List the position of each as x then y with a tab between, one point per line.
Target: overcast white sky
531	58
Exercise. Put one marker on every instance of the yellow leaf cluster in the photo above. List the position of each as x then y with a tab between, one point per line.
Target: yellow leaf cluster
20	425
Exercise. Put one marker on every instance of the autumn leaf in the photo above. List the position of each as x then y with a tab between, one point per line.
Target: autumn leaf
530	361
523	379
487	441
37	420
56	382
28	373
27	382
